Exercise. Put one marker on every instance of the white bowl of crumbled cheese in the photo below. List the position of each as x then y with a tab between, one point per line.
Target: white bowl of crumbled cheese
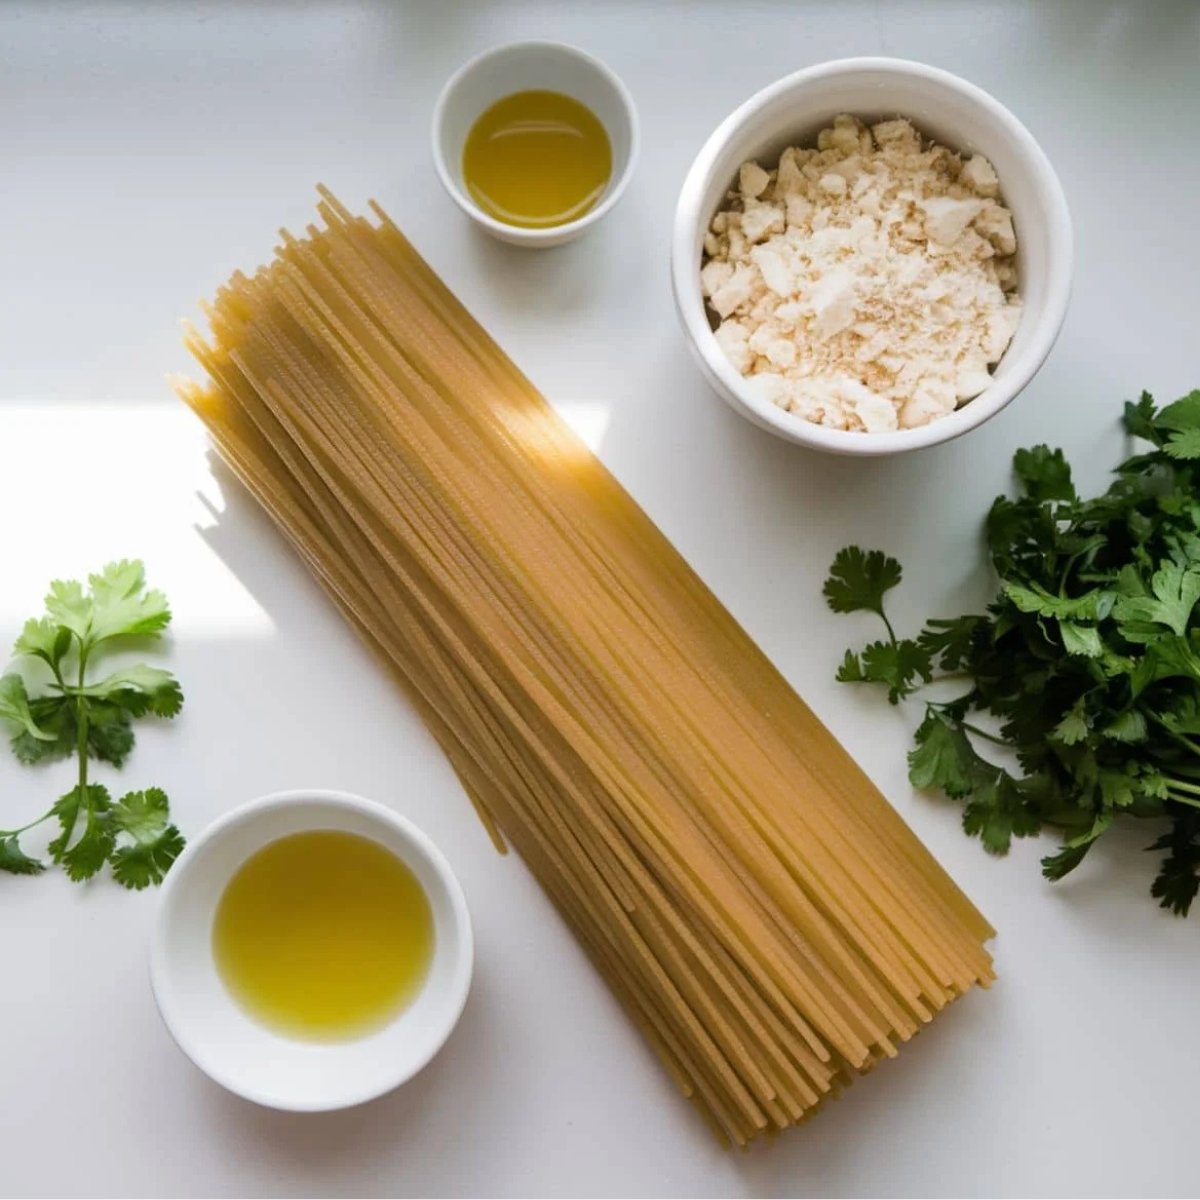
871	256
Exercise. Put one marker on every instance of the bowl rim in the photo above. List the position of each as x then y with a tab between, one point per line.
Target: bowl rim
460	983
729	383
520	233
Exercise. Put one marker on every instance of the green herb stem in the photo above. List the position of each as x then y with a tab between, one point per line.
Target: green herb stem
884	618
81	719
1181	738
7	833
1183	787
81	722
982	733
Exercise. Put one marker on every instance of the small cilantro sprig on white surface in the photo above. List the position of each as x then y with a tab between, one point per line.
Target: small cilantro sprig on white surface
77	713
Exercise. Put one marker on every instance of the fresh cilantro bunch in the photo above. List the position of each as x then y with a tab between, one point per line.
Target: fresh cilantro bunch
1086	664
75	713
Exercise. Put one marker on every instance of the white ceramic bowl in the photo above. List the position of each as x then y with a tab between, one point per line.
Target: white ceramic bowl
251	1060
945	108
530	66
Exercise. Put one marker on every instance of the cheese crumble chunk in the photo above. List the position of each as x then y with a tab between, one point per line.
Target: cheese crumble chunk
867	284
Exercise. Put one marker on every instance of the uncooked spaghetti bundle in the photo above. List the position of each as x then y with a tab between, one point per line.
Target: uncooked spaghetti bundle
762	913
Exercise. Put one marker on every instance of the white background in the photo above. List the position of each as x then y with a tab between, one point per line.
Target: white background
145	152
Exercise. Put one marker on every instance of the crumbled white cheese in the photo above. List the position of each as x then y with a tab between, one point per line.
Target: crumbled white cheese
980	176
868	283
752	181
760	221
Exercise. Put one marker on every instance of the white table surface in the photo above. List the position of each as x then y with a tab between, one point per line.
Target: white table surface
146	151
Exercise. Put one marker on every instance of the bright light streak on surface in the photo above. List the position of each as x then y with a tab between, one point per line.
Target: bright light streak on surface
589	420
87	481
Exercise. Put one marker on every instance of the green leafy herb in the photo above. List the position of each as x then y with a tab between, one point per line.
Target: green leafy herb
1085	668
151	843
858	580
15	861
93	719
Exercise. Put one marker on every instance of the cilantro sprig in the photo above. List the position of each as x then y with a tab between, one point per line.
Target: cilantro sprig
1085	667
74	713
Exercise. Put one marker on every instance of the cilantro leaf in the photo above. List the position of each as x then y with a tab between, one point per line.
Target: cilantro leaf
1081	639
943	757
1117	788
1167	658
1091	606
1044	474
139	690
1139	419
90	853
1056	866
66	809
1178	878
996	812
42	638
1182	420
1127	726
1153	783
901	666
143	815
52	715
1184	444
93	798
89	806
851	670
15	861
14	708
110	733
950	642
155	843
122	606
117	605
1016	531
1183	716
1074	727
1175	590
68	607
859	579
139	866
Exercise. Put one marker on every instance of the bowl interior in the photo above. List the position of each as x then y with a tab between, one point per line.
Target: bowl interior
533	66
252	1060
950	112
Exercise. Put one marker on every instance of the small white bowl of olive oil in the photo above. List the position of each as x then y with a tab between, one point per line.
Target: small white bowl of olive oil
535	142
313	950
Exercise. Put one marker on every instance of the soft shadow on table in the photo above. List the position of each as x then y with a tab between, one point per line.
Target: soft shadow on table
1110	890
240	532
430	1110
550	284
817	1159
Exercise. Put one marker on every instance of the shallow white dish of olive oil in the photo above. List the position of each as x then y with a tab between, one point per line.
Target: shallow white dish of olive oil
359	1041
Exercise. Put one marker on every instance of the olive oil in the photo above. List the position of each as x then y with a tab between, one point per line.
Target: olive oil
537	159
323	936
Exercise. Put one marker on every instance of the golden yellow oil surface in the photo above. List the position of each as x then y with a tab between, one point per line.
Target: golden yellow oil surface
323	935
537	159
